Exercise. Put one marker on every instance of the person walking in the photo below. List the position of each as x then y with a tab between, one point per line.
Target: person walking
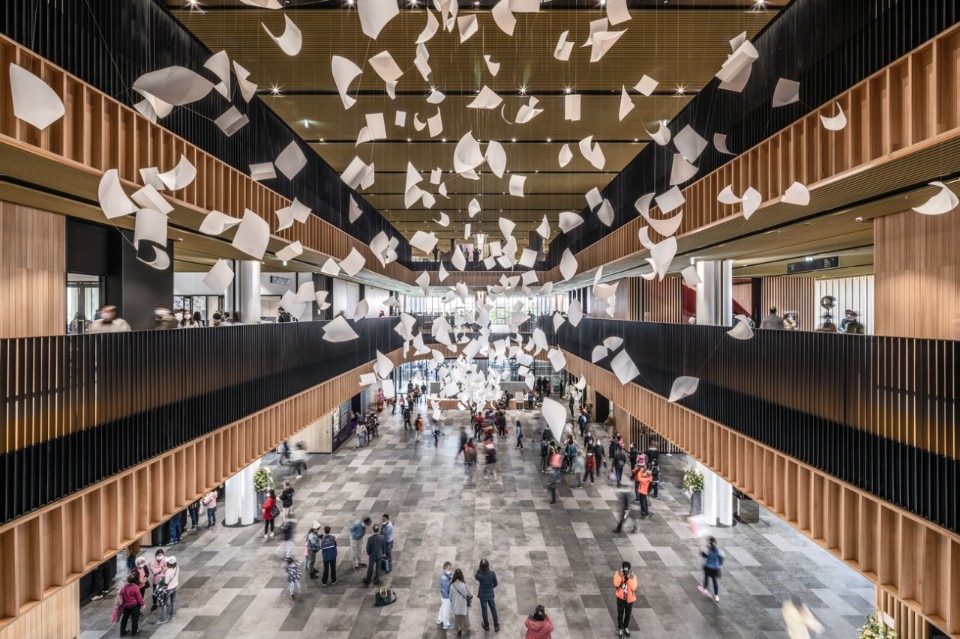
157	570
357	531
130	600
170	581
490	459
210	503
470	460
644	479
519	435
313	547
374	555
267	511
419	428
298	458
579	468
386	529
443	616
712	565
108	322
286	500
655	476
463	441
619	461
194	511
328	552
175	528
626	584
460	597
293	578
436	434
406	417
486	584
799	620
589	467
538	624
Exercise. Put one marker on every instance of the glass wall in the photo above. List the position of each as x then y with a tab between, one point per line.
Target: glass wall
83	300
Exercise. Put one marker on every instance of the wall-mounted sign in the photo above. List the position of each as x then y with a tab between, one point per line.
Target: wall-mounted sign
281	281
818	264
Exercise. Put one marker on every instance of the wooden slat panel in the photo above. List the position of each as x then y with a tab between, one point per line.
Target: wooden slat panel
792	293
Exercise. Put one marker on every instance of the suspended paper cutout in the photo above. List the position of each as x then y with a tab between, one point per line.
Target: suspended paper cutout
34	101
291	41
683	387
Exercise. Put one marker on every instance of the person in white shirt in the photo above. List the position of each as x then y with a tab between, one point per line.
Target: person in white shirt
108	322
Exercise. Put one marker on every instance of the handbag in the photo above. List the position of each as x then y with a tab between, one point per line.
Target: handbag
275	511
612	476
384	597
115	617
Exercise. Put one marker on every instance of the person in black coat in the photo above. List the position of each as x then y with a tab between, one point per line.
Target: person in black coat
375	552
487	582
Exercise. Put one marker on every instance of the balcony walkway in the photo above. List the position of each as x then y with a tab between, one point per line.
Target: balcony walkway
563	556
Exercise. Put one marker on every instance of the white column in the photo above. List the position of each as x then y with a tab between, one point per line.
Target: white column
240	497
715	308
249	291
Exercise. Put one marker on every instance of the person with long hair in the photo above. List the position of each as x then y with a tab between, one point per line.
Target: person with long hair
460	597
712	562
539	625
487	580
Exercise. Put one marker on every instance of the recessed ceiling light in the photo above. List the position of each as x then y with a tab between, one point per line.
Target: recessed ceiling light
636	139
193	4
409	140
306	123
523	90
275	90
350	3
549	139
568	90
681	90
322	140
513	139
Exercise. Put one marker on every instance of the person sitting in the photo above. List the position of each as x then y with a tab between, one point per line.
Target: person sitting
773	321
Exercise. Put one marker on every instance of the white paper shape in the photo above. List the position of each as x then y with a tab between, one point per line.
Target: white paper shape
179	176
290	251
467	26
292	39
385	66
571	107
617	11
247	89
292	160
598	353
720	143
361	310
613	343
736	69
34	101
486	99
662	254
626	104
646	85
262	171
173	85
444	220
605	213
786	92
375	15
151	176
473	207
603	41
467	155
727	196
741	331
113	200
681	170
231	121
355	211
568	265
665	228
219	277
149	198
554	413
557	359
546	289
544	229
689	143
435	124
368	379
683	386
352	264
796	194
690	276
517	182
423	241
836	122
492	67
330	267
216	223
436	97
527	111
430	30
644	235
943	202
252	236
356	173
528	258
569	221
150	226
506	227
565	155
751	202
592	152
596	26
670	200
344	72
564	48
503	17
623	367
574	313
219	64
339	330
496	158
662	135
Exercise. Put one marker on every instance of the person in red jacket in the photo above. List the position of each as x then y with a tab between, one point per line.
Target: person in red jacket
131	603
268	526
539	625
626	584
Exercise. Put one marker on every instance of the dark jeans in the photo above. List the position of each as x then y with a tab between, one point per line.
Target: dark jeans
708	574
656	489
619	471
101	578
585	473
299	467
211	517
388	556
373	569
194	516
267	526
623	614
329	568
644	508
493	611
174	528
133	614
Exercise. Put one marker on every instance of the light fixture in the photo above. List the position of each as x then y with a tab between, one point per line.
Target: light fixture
681	90
513	139
549	139
412	3
350	3
603	3
808	259
322	140
523	90
274	90
409	140
193	4
636	139
284	262
568	90
306	123
443	139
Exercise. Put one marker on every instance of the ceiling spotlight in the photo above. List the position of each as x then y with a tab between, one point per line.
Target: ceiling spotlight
636	139
549	139
759	3
603	3
681	90
274	90
443	139
476	3
412	3
306	123
350	3
513	139
523	90
568	90
409	140
193	4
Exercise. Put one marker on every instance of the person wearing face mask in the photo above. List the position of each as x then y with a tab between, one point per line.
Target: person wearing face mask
157	569
108	322
163	318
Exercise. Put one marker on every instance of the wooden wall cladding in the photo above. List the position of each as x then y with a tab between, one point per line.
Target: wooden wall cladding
899	109
98	133
33	277
57	616
855	293
915	562
917	269
794	293
656	300
53	547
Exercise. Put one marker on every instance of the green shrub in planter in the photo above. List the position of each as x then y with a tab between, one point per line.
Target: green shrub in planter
692	481
262	479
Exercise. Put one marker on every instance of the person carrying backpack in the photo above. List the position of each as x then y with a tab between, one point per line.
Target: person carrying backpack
328	552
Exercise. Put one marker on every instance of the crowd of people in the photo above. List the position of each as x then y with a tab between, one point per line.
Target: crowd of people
108	321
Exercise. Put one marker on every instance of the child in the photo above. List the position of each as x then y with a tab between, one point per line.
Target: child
293	578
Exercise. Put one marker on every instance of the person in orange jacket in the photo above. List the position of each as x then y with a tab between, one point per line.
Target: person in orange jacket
626	584
644	479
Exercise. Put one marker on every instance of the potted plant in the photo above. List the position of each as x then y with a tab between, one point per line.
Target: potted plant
610	423
262	483
693	487
876	628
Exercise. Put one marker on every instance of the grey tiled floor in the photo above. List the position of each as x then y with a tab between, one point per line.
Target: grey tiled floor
562	556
